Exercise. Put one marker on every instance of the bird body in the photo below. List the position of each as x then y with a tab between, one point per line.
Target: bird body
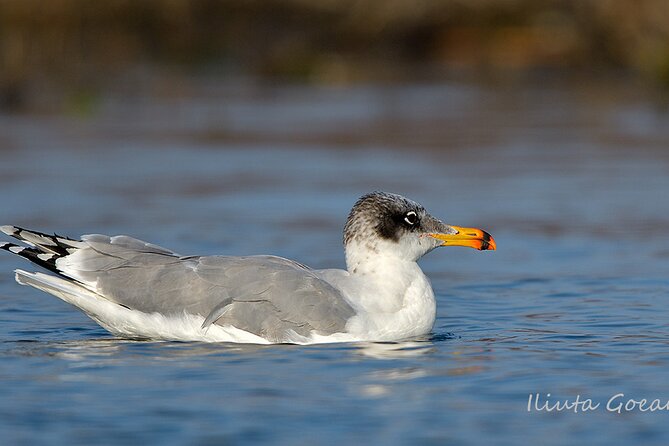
138	290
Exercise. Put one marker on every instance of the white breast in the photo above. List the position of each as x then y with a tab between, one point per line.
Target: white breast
393	299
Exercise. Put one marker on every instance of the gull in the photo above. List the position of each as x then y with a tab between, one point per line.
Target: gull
138	290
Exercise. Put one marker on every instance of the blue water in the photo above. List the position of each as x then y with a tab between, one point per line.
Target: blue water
571	182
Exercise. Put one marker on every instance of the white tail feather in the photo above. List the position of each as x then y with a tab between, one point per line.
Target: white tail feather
70	292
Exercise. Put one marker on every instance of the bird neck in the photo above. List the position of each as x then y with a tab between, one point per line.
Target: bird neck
394	297
368	258
388	274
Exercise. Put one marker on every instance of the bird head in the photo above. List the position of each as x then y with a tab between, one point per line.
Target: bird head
389	224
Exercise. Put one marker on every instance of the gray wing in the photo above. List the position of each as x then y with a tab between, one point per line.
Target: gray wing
265	295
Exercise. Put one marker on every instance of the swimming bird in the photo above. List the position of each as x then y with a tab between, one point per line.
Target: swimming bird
138	290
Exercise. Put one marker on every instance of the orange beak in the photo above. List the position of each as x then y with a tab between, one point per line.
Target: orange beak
470	237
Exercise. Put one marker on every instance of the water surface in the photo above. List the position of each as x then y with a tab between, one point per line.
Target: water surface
572	182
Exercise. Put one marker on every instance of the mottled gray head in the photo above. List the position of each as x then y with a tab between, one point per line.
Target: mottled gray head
380	220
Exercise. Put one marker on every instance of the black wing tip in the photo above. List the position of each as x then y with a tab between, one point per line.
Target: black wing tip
15	231
11	247
44	256
52	243
43	259
10	230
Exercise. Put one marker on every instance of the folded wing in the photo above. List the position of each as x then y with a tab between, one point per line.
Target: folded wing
264	295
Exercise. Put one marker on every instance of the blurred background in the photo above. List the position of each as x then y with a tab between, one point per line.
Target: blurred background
556	108
71	54
251	127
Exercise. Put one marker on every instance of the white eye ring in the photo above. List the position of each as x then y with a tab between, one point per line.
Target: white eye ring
411	218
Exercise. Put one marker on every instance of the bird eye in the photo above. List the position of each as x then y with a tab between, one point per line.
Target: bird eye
411	218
